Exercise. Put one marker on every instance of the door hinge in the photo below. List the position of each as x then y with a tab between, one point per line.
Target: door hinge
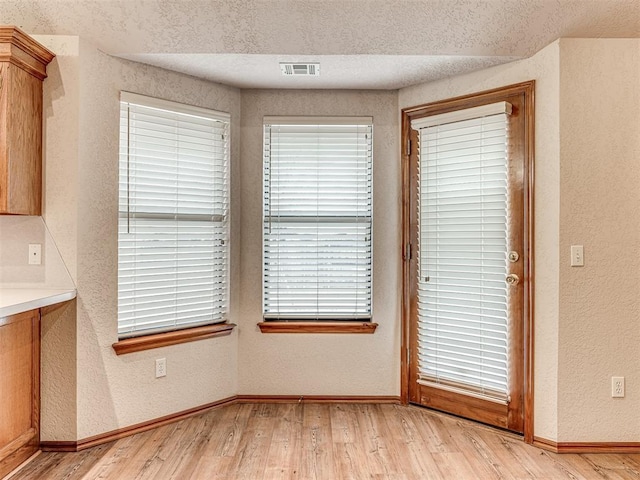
408	147
407	252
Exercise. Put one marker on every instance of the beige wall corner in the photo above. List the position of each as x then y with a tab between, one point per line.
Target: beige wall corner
60	145
59	210
81	179
124	388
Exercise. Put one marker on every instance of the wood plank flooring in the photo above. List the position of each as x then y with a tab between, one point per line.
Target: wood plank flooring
325	442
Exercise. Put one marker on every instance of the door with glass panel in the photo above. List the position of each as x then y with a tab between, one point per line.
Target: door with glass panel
467	272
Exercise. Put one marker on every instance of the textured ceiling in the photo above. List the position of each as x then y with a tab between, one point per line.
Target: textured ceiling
360	43
336	71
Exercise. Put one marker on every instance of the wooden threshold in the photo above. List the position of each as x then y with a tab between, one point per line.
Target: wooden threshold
317	327
147	342
586	447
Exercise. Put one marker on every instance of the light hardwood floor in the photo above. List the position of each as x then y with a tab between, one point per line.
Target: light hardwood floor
325	442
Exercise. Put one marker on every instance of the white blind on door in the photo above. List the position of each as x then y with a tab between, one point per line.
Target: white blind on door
317	218
172	233
462	296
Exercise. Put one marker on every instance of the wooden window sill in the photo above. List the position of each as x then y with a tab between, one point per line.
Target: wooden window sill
147	342
317	327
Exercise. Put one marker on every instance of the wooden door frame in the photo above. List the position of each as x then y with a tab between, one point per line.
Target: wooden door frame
409	219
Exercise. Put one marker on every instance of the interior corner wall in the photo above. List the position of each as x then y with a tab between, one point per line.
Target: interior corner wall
322	364
59	210
124	388
599	331
81	208
543	67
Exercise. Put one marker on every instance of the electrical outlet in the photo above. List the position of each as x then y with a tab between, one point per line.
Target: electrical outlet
617	387
161	367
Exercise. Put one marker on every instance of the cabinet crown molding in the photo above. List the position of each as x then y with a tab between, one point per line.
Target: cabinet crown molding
20	49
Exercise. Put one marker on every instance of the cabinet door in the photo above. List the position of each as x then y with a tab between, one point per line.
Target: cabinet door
19	388
20	141
23	66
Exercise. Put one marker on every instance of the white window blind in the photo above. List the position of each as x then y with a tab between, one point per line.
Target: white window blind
462	296
317	218
173	209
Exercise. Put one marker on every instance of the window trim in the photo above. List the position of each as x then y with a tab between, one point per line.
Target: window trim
300	324
325	326
174	337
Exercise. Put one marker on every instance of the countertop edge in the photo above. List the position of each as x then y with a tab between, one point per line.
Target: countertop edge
39	302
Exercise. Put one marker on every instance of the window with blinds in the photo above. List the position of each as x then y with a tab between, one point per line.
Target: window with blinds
317	220
462	216
173	216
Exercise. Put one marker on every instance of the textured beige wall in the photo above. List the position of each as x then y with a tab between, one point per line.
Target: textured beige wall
58	379
16	233
599	333
60	145
322	364
544	69
82	107
58	373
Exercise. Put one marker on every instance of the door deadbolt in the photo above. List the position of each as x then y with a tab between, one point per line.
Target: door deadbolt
512	279
513	257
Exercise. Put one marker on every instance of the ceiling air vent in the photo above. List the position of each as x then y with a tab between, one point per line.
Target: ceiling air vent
297	69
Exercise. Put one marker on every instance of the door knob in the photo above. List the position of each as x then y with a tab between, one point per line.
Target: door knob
512	279
514	257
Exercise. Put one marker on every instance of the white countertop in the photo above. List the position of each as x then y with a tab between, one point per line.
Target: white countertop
18	300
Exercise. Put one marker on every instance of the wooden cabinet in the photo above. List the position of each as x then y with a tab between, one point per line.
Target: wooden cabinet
19	389
23	64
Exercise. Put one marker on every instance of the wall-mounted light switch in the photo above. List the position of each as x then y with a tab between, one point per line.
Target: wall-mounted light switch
35	254
577	256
